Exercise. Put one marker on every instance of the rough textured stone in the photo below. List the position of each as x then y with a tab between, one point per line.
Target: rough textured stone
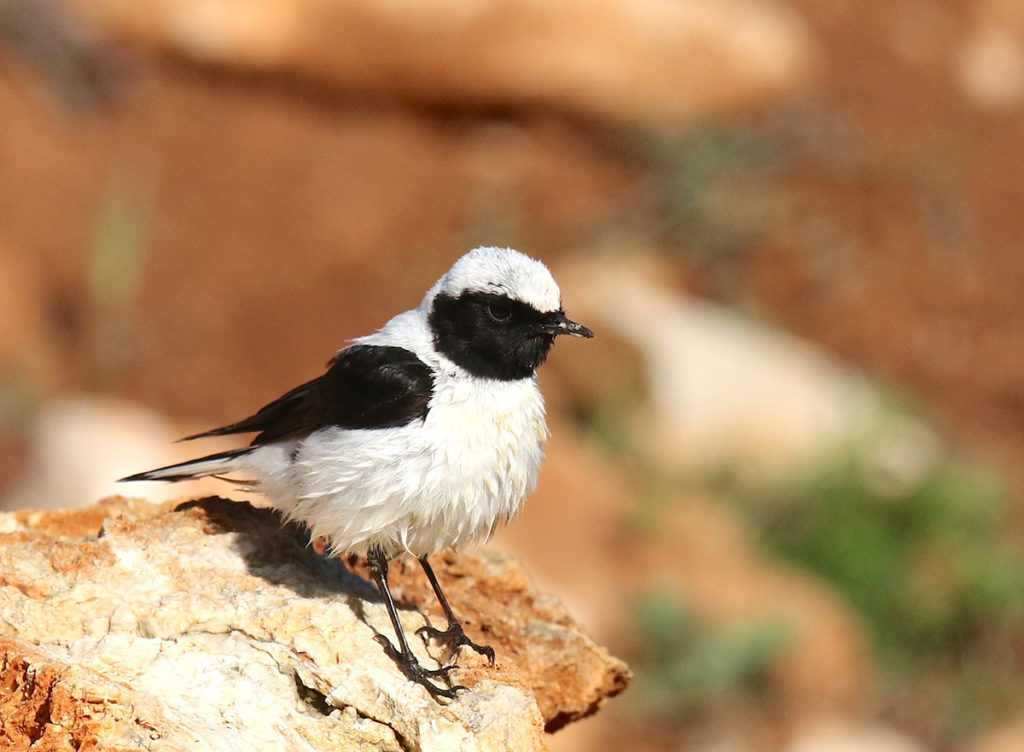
210	625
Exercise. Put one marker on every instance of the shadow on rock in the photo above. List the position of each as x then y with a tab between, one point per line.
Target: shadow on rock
278	550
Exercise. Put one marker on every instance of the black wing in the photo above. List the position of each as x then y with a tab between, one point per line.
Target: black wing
366	386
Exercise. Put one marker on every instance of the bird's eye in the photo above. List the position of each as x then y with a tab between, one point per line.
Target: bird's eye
499	313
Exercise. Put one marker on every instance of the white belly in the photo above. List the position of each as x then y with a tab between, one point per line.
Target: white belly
447	481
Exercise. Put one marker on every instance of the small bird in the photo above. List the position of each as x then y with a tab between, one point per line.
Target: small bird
425	435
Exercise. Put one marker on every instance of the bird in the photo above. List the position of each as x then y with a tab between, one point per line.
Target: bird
425	435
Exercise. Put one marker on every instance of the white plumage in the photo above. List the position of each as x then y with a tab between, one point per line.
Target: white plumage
425	435
447	480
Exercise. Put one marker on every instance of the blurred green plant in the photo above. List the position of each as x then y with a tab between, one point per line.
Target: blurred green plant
19	400
46	37
118	249
716	187
686	663
117	257
923	563
928	564
607	422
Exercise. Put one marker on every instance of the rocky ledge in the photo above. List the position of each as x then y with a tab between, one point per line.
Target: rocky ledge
210	625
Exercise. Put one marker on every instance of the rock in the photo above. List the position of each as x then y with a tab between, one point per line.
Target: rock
725	390
652	61
1006	737
841	735
208	626
80	444
990	65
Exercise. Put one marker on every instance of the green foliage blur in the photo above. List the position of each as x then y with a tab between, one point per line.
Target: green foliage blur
930	567
687	663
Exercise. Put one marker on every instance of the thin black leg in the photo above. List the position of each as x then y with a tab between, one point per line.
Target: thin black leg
453	636
403	656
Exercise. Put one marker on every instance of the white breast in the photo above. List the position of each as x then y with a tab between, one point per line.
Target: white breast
448	480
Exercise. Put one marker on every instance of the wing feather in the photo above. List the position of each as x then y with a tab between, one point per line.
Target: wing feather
365	386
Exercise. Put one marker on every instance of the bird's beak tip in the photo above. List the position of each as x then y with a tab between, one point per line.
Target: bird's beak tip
562	324
570	327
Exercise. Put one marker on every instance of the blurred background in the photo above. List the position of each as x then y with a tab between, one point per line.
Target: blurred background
784	481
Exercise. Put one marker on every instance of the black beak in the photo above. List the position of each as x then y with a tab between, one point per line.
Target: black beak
560	324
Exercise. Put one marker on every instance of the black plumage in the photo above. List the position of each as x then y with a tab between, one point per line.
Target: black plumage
491	335
366	386
482	329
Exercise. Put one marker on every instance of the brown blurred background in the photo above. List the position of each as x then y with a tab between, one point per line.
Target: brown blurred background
784	482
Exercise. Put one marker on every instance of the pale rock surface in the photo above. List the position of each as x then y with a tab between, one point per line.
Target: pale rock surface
724	389
840	735
1008	737
210	627
80	444
657	61
989	66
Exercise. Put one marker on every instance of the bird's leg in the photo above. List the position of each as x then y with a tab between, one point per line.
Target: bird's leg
453	636
403	655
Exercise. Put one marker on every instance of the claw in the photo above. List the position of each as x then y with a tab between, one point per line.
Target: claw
455	637
414	671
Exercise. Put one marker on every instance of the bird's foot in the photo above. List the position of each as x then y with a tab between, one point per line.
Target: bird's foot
414	671
455	637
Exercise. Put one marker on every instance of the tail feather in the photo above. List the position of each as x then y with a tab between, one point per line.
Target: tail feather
212	464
